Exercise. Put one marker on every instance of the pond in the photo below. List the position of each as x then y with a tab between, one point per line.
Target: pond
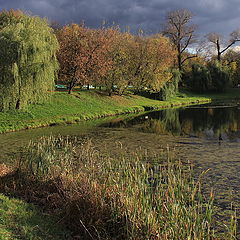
206	135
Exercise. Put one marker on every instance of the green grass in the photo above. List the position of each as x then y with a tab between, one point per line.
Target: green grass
64	108
19	220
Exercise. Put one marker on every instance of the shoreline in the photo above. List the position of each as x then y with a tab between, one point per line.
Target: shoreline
62	108
23	120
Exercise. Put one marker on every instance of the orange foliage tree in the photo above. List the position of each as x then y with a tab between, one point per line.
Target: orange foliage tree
107	57
83	54
118	75
151	59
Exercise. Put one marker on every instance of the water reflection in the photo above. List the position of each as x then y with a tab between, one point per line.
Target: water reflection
219	123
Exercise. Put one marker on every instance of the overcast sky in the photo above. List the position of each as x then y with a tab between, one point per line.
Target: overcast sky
222	16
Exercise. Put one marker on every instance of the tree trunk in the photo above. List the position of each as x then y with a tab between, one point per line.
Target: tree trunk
70	87
218	51
179	62
112	88
18	104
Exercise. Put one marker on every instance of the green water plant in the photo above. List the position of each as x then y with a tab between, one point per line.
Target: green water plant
126	197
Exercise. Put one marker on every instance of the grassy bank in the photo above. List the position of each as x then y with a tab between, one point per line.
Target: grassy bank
132	196
63	108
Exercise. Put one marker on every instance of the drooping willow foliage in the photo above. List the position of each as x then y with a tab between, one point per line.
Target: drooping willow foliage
28	63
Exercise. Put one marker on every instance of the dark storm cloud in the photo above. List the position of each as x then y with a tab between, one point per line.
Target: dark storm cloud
210	15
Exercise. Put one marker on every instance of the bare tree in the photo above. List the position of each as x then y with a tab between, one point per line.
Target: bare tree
221	45
178	28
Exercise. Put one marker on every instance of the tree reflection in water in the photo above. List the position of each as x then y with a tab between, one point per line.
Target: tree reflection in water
221	123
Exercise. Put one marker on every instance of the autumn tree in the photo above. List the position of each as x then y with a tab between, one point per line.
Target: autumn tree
160	59
151	58
179	29
101	45
138	62
82	54
220	45
28	62
118	76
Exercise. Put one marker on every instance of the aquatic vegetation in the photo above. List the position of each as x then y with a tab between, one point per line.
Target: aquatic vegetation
126	197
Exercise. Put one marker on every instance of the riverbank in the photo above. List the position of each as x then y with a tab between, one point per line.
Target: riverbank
62	108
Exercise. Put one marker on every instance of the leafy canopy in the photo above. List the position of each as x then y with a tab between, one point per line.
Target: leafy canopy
28	63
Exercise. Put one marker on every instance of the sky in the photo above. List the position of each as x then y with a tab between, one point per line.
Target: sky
221	16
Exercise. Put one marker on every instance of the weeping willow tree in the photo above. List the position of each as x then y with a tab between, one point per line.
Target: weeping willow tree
28	62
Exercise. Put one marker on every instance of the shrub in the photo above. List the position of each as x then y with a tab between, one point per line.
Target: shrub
213	77
220	76
170	88
200	79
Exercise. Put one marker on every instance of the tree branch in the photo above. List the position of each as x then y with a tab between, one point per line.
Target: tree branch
189	57
187	43
233	42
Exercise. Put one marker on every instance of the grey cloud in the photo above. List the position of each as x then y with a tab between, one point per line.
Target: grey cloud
210	15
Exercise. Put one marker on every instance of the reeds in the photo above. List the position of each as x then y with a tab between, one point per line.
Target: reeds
125	197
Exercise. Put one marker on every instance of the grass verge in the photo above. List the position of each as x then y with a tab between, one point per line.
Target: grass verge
232	94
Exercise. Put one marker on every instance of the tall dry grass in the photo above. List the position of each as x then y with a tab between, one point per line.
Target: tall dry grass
125	197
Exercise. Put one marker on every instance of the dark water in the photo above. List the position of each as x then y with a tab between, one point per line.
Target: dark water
207	135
